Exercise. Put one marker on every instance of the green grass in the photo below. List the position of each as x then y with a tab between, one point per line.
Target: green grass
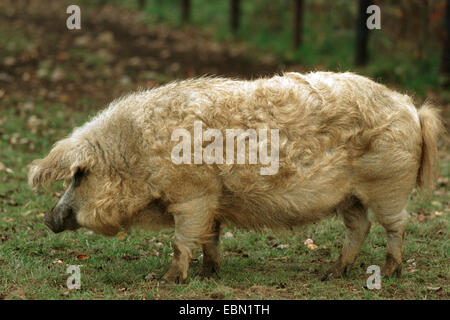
33	260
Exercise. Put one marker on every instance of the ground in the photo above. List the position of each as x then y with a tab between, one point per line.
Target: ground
52	80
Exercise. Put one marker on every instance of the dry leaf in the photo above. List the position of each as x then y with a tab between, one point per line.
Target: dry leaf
310	244
150	276
435	289
442	181
82	257
228	235
121	236
436	203
412	269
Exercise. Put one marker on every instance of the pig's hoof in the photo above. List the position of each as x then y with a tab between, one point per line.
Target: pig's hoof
173	276
391	267
338	270
390	270
210	269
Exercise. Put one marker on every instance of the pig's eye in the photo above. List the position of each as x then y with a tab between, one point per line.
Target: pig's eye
78	177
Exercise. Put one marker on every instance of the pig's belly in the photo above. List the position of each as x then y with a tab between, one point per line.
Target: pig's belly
278	212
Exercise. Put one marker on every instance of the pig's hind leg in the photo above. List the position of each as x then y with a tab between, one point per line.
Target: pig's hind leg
357	224
395	225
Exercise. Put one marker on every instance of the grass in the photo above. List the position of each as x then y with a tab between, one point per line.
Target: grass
33	260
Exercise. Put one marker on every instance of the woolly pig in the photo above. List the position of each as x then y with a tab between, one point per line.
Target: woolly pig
344	144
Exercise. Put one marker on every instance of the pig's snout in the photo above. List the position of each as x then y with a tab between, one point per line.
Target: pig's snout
60	218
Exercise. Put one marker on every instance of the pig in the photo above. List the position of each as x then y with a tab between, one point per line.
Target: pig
344	144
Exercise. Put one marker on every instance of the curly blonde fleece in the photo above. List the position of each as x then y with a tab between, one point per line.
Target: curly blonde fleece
341	137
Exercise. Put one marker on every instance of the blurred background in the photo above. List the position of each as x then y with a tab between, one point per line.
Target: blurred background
125	44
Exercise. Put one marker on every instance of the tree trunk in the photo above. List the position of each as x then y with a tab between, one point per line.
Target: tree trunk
234	15
185	10
362	34
298	23
141	4
445	64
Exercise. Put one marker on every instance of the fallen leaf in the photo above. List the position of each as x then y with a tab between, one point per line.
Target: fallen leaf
228	235
412	269
310	244
237	252
420	217
82	257
17	293
435	289
57	261
128	257
2	166
217	295
27	213
121	236
442	181
150	276
436	203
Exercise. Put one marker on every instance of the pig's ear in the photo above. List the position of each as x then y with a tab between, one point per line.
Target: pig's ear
63	161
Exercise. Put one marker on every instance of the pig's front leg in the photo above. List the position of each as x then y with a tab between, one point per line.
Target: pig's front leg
193	224
211	252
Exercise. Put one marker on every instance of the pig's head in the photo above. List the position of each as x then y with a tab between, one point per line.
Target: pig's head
101	195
